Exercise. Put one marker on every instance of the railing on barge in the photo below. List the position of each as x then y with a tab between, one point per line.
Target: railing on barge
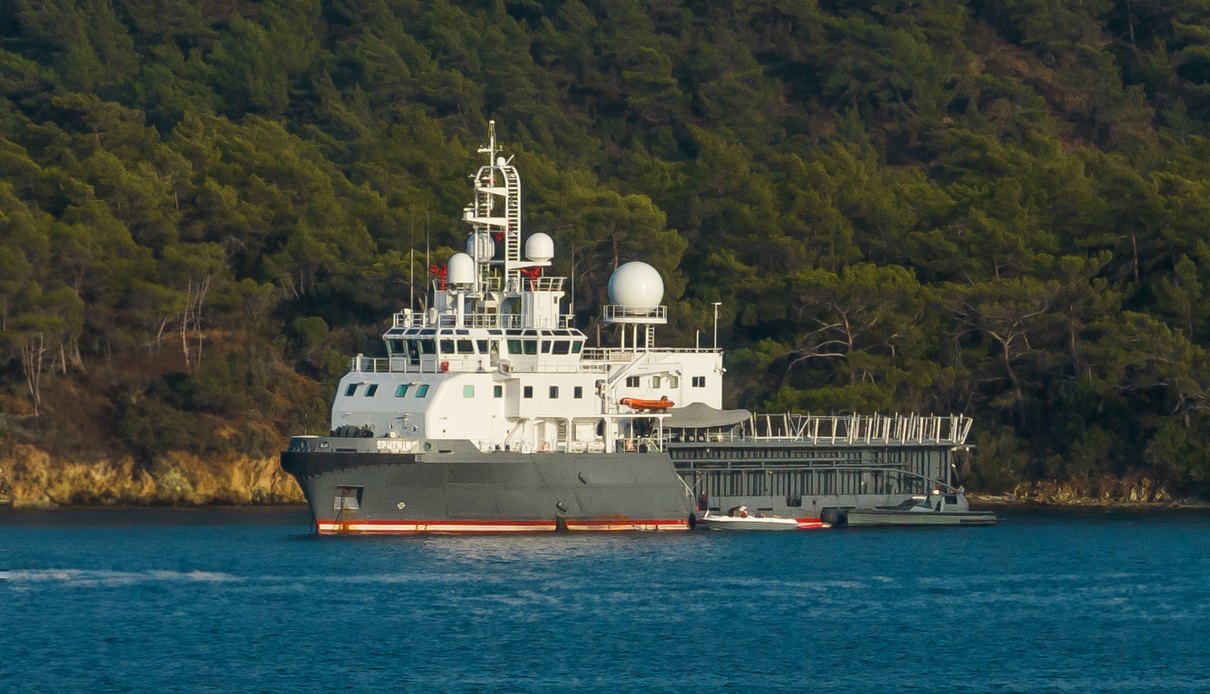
855	429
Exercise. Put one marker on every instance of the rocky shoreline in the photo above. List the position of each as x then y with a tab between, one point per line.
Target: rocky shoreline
31	478
1103	492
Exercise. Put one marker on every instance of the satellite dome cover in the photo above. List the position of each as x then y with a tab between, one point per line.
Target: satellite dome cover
636	285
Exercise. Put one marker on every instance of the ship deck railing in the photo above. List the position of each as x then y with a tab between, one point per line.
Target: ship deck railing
506	321
431	365
614	355
847	430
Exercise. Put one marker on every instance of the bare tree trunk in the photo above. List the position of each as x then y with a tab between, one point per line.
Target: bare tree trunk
203	289
76	359
32	349
159	336
191	319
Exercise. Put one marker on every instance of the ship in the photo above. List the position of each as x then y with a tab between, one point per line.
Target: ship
491	412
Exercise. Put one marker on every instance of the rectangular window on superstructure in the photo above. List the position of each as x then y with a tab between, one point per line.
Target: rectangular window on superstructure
577	346
351	389
514	346
562	347
371	390
447	346
468	391
674	382
554	392
482	346
466	346
655	381
422	390
527	391
577	392
497	391
632	381
699	381
545	346
531	346
402	390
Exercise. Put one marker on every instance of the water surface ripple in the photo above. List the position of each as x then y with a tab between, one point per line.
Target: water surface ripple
247	600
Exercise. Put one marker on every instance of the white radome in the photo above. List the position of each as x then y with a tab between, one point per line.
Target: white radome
539	248
461	269
636	285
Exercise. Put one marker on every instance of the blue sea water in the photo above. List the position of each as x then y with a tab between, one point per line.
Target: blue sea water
231	600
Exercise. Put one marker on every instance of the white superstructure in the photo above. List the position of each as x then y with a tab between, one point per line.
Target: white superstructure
495	360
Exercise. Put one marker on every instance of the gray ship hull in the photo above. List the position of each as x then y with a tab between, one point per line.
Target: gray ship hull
462	490
879	518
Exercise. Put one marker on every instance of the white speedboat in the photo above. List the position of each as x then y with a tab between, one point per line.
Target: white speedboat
742	520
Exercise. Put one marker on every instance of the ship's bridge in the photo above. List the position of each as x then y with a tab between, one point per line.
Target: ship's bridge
431	350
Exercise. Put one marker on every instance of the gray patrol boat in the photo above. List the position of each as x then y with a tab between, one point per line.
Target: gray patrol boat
490	414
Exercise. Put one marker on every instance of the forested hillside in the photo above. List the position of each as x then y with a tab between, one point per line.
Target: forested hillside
999	208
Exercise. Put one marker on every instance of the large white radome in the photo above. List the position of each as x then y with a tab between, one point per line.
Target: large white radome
636	285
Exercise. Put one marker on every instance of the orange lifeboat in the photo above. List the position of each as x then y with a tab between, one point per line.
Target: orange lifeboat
651	405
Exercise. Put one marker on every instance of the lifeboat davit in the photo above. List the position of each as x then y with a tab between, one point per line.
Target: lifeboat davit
639	404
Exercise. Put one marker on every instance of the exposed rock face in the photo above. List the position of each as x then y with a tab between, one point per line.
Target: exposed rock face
179	479
1105	490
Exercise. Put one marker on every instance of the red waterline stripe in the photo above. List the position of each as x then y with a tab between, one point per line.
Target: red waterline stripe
377	526
410	521
373	526
621	524
811	523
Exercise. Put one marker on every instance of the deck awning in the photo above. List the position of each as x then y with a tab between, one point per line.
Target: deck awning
702	416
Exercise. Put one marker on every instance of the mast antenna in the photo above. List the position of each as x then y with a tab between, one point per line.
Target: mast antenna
412	260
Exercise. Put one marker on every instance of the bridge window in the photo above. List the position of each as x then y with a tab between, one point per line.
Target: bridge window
632	381
447	346
402	390
576	346
422	391
562	347
531	346
466	346
482	344
371	390
514	346
351	389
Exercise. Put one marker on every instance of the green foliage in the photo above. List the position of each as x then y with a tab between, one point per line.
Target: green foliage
997	208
